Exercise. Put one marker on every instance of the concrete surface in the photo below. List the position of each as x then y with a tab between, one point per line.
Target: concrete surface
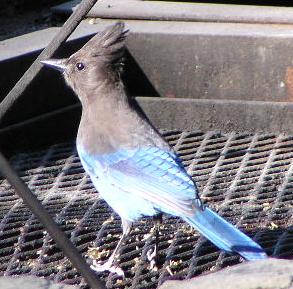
221	115
29	282
197	60
264	274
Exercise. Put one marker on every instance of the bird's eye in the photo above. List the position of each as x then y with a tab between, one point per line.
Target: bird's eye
80	66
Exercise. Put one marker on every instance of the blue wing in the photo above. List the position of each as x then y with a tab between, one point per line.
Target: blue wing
150	174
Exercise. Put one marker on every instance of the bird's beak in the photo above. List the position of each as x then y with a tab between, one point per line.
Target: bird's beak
58	64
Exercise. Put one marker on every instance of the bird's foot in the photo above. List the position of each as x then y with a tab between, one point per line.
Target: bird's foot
152	257
107	266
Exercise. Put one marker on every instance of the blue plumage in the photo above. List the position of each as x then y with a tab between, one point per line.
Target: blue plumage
224	235
146	181
150	179
128	161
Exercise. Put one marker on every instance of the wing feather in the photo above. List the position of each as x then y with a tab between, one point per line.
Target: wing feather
152	174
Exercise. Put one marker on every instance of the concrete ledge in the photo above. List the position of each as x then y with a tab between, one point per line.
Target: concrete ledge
38	40
26	43
30	282
182	114
222	115
216	61
264	274
197	60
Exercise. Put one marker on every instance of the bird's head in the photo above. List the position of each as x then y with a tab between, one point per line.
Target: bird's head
97	62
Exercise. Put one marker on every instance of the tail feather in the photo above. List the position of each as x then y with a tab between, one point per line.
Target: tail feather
225	235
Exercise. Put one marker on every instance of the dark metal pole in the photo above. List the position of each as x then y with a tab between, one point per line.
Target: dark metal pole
71	23
55	232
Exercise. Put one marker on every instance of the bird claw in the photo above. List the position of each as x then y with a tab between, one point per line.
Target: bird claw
107	266
152	256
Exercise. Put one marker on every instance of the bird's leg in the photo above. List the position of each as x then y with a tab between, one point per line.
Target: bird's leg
153	255
109	264
200	203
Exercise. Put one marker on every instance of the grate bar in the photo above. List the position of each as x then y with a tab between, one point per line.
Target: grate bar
46	237
260	181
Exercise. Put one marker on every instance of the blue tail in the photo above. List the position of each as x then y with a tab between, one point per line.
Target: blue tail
225	235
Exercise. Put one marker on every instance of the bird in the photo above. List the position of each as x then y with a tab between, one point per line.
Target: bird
129	163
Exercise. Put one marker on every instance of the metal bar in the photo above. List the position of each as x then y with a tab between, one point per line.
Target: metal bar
57	234
176	11
172	11
35	68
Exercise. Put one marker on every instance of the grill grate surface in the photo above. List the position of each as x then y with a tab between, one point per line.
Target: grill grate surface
246	178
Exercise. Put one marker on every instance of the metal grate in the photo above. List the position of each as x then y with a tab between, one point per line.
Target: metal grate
246	178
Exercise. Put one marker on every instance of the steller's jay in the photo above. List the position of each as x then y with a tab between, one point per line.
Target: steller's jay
129	163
